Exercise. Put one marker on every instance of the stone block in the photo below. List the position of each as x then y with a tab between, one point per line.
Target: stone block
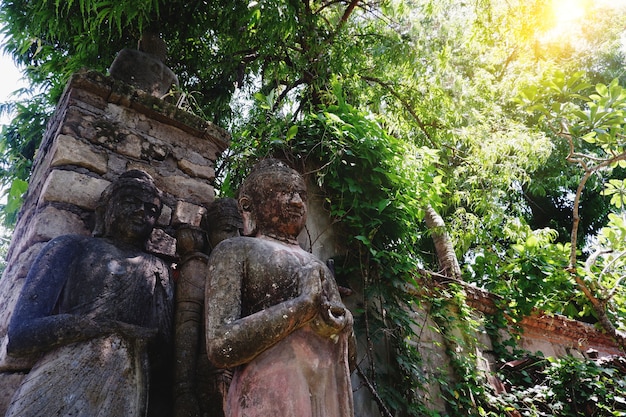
70	151
91	81
87	100
196	170
154	150
188	189
117	165
161	244
187	213
52	222
121	115
73	188
166	216
184	140
213	131
79	124
131	146
188	155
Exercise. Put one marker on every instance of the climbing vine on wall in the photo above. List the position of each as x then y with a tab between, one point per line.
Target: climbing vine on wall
376	187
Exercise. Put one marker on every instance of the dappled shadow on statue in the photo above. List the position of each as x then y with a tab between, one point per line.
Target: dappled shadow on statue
98	313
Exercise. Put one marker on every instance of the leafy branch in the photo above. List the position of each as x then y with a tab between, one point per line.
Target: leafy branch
590	124
583	160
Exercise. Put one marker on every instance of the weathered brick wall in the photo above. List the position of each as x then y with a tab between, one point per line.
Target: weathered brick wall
100	129
552	334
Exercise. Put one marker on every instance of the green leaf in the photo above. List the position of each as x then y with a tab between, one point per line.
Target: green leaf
602	90
382	204
291	133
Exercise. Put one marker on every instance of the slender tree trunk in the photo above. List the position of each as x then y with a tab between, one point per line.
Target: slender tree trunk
448	262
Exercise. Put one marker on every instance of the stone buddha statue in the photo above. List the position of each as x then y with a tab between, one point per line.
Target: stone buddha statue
273	311
98	312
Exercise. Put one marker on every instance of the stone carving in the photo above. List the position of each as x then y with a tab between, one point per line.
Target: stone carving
273	310
98	313
223	221
144	67
199	388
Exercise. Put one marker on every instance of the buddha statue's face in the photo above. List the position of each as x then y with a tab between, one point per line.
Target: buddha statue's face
131	214
279	206
223	229
222	221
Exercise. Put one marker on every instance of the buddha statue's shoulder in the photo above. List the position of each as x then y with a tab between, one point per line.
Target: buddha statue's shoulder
238	243
66	243
253	248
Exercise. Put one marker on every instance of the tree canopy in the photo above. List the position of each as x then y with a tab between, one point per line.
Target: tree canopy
504	117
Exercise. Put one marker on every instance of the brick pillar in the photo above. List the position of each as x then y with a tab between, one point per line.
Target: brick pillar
100	129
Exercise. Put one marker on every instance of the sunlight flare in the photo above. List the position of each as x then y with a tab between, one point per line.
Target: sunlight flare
567	11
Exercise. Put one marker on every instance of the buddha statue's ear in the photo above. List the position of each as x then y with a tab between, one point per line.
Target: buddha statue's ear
249	224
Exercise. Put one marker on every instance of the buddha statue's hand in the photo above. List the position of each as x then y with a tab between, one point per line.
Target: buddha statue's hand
332	316
332	319
310	282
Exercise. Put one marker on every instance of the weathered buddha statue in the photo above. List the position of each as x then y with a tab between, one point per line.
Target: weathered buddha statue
273	310
199	388
98	312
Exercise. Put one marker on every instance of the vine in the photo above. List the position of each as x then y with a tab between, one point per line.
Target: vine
377	188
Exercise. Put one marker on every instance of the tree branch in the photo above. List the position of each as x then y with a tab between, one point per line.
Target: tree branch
346	15
379	401
286	91
342	21
574	157
576	221
404	103
446	257
615	287
599	305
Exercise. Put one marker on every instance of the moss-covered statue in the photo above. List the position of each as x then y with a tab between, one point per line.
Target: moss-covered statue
273	310
98	312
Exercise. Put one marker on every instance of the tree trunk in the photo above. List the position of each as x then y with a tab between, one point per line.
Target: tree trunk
448	262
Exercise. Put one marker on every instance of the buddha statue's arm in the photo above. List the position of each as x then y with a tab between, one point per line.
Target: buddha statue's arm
34	327
233	340
46	333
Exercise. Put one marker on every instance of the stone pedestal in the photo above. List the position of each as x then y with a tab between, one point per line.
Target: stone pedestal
100	129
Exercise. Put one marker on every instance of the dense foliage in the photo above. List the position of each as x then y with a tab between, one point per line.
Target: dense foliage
492	113
566	387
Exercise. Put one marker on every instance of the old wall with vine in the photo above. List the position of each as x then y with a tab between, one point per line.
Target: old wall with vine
423	351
